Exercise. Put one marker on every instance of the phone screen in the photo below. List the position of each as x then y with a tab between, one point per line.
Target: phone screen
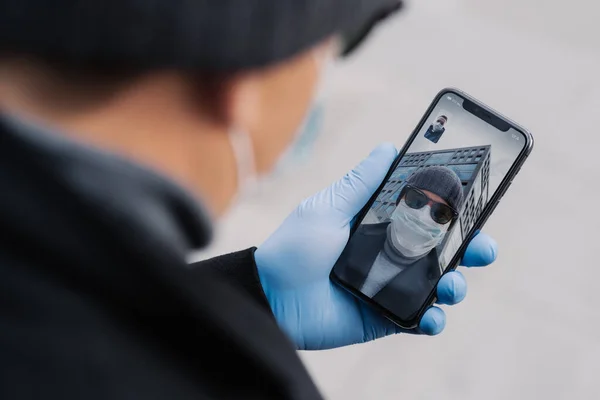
429	205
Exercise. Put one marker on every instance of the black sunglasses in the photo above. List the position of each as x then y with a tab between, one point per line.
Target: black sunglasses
352	40
440	212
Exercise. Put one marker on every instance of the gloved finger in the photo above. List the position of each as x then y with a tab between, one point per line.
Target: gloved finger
433	322
350	194
481	252
451	288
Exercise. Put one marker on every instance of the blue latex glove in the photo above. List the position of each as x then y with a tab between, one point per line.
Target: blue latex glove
295	262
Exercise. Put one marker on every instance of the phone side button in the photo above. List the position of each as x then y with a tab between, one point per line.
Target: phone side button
504	192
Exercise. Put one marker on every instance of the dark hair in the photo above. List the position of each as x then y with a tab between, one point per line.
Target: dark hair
65	86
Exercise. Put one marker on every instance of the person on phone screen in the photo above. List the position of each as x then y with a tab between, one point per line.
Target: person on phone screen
396	262
437	129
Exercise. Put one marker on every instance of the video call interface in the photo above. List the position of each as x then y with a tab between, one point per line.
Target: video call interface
428	207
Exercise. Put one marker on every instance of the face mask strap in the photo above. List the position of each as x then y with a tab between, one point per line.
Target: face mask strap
243	153
241	142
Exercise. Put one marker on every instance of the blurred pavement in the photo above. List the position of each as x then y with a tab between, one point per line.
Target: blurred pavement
528	328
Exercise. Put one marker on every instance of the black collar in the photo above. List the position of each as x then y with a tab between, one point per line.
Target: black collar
72	198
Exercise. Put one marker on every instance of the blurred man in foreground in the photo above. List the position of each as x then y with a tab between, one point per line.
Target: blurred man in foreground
113	113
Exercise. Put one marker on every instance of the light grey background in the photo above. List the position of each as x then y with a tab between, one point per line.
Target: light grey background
463	129
530	327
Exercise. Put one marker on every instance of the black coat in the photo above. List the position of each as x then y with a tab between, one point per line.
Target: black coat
406	292
96	300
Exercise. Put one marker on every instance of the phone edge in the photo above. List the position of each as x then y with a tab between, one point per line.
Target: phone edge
481	220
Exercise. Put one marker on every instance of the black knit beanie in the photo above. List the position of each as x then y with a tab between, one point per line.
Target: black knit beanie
207	35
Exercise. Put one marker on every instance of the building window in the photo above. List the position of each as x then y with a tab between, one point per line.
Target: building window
405	172
465	172
376	205
440	158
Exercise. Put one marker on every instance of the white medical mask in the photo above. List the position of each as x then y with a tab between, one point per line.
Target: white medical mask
310	128
437	126
414	233
243	153
304	138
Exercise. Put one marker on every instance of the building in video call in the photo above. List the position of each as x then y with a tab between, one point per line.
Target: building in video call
471	164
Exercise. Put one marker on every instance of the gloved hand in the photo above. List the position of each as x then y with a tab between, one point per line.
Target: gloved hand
295	262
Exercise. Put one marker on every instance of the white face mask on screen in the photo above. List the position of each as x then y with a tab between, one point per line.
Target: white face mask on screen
414	233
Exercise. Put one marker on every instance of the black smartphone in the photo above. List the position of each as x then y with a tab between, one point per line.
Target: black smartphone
446	181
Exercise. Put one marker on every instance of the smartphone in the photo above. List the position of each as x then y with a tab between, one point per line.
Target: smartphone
446	181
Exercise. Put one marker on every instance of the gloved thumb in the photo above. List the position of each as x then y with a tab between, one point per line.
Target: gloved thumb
350	194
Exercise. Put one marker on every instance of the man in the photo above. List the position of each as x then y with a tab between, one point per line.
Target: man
437	129
113	112
396	262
